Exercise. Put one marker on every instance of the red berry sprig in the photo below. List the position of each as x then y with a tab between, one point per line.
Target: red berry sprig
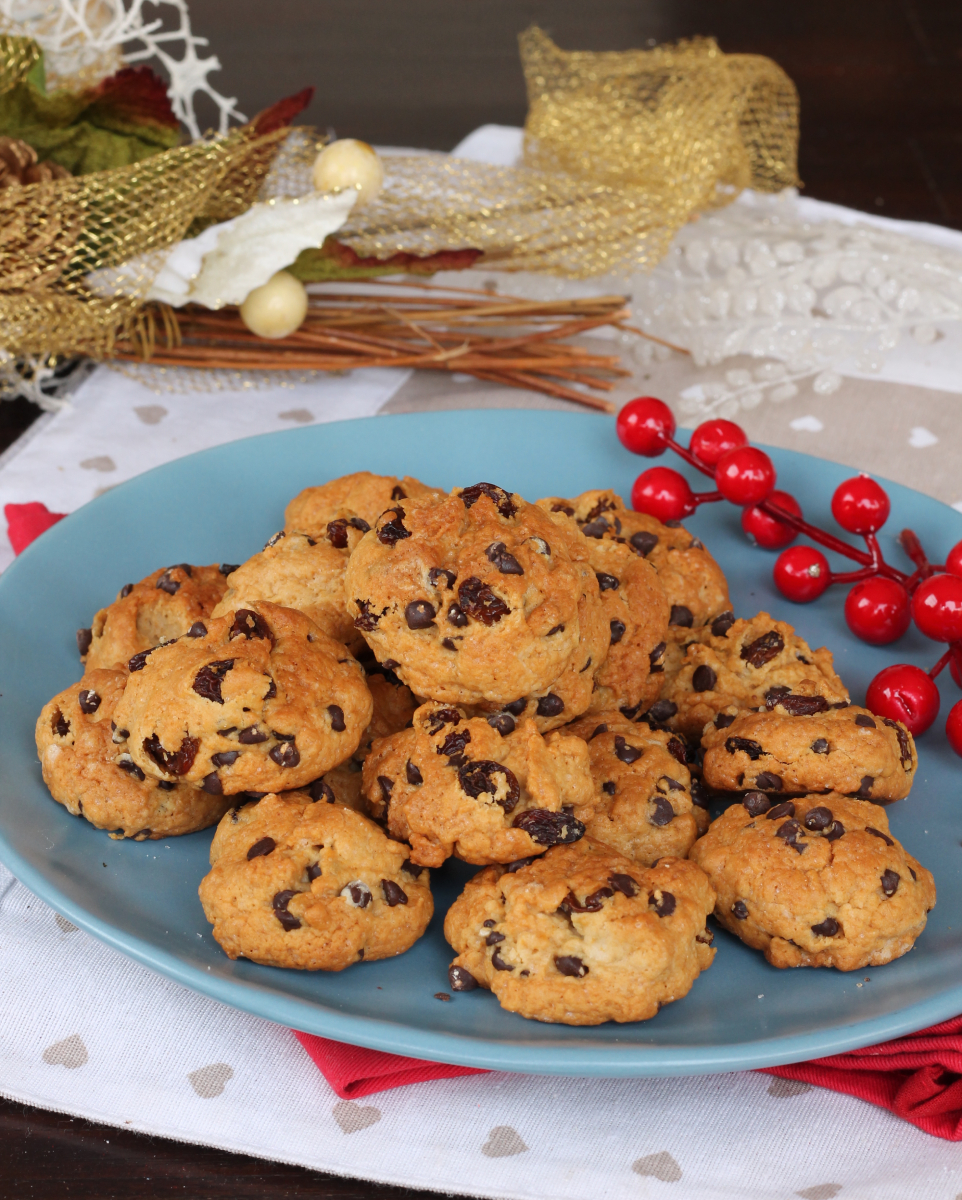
883	600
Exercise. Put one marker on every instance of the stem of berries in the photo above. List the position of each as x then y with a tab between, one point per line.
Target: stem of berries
883	600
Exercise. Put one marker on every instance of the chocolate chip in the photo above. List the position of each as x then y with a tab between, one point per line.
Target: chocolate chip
703	679
414	776
178	762
662	710
476	599
313	871
609	788
865	721
419	614
722	623
398	492
617	631
319	790
827	928
757	803
550	705
285	755
663	813
393	893
555	629
904	748
250	624
624	884
598	729
789	832
503	722
696	544
836	831
480	779
699	793
501	499
167	584
627	754
118	735
606	582
820	746
393	531
746	746
265	846
548	828
279	904
915	877
126	763
865	787
272	688
517	865
387	786
563	508
662	902
225	758
879	834
366	620
680	615
643	541
569	965
493	938
449	644
595	529
461	979
88	700
785	809
740	910
439	578
593	903
336	713
768	781
655	656
251	736
84	638
125	591
357	894
411	868
890	882
228	568
139	661
211	783
796	706
166	785
389	664
762	650
498	962
506	563
818	818
207	683
723	720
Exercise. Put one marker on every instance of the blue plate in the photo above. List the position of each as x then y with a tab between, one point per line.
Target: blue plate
221	505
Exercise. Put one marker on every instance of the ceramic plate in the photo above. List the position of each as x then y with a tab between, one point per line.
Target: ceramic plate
221	505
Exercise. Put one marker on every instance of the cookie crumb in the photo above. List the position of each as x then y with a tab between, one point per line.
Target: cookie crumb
441	996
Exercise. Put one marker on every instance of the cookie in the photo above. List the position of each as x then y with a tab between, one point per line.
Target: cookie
479	598
261	700
582	935
312	885
486	791
361	496
644	803
299	571
157	609
738	664
815	882
90	773
692	581
801	744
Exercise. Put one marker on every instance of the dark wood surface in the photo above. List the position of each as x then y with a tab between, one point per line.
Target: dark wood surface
881	92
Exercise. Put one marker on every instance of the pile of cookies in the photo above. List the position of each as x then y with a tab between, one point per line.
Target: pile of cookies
553	692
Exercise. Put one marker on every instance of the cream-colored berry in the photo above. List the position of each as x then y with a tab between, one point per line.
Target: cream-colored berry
348	163
276	308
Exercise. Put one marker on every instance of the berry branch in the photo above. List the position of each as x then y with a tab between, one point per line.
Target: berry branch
883	601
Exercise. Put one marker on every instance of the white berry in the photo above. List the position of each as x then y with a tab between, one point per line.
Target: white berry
348	163
276	308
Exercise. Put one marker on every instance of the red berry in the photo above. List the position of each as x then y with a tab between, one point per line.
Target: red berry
712	439
937	607
860	505
663	493
904	693
766	531
745	476
953	560
802	573
878	610
645	425
953	727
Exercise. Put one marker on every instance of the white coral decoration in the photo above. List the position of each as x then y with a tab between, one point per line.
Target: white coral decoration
85	40
819	297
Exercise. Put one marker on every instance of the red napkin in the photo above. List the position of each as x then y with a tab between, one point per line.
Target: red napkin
28	521
353	1071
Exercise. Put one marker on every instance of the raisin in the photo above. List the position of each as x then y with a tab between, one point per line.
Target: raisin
762	650
480	778
502	500
208	680
391	532
476	599
548	828
177	762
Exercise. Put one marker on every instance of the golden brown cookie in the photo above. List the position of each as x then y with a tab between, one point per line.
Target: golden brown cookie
739	664
360	496
312	885
692	581
815	882
644	800
480	598
486	791
582	935
90	773
261	701
157	609
801	744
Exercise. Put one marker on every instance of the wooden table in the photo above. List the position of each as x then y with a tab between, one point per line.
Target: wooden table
881	94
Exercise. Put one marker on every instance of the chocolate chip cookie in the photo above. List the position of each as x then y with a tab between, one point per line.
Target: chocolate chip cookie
487	791
157	609
348	499
644	802
313	885
479	598
817	881
801	744
260	700
88	770
582	935
739	664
